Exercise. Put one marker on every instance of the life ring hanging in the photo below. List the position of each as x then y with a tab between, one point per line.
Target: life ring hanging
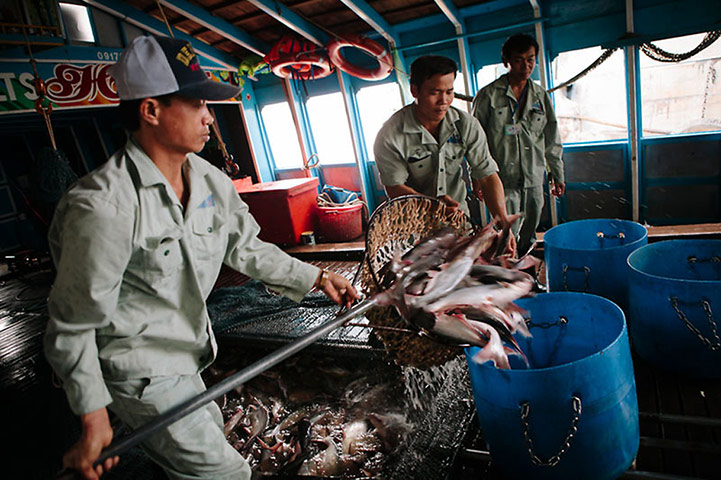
385	63
303	66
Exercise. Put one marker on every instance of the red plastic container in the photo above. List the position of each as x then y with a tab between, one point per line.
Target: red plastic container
283	209
340	224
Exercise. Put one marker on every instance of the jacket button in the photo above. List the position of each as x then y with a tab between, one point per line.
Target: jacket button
166	253
210	229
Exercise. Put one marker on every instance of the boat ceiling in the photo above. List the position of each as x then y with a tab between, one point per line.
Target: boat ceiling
333	17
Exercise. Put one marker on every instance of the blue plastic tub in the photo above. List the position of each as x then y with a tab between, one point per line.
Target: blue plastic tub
580	375
590	256
675	305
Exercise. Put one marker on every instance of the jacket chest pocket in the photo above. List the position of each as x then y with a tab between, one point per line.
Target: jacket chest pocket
537	122
499	118
209	239
453	155
161	256
420	165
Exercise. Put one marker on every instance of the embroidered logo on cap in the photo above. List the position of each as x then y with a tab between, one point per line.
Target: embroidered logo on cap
186	56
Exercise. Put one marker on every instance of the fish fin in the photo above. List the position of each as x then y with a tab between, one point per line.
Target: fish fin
518	353
483	356
519	322
488	354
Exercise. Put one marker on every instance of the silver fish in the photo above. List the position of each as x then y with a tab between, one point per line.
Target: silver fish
453	272
499	294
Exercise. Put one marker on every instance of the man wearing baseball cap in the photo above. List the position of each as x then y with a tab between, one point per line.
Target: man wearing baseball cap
138	245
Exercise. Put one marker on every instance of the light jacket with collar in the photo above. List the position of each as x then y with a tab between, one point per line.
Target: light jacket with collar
407	154
524	158
134	269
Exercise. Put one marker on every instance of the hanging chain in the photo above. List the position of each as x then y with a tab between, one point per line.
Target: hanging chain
553	461
621	236
710	79
716	345
41	92
586	273
694	259
604	56
561	321
231	168
652	51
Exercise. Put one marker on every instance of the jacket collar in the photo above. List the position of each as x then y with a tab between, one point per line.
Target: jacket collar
150	176
411	125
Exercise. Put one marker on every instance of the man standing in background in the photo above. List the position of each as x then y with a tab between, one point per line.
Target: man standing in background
520	124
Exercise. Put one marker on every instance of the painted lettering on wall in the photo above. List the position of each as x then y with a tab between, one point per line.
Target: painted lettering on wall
72	86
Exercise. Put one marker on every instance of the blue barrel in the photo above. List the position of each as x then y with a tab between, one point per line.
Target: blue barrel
590	256
573	414
675	305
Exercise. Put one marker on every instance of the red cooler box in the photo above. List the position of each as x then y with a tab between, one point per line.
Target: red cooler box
283	209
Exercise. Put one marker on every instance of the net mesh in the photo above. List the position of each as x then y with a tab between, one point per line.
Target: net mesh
398	225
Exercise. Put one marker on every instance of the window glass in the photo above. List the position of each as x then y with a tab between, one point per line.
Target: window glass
681	97
489	73
593	108
376	104
329	124
282	136
77	22
459	87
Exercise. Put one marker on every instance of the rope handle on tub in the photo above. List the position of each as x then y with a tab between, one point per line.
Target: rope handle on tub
714	346
552	461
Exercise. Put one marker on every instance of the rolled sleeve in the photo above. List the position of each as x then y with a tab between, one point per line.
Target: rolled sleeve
264	261
91	248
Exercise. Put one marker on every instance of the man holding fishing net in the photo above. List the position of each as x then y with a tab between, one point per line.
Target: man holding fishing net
421	148
138	245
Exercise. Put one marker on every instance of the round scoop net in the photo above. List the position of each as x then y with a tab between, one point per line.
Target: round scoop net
398	225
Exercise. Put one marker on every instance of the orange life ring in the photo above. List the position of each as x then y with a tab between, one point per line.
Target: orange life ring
303	66
385	62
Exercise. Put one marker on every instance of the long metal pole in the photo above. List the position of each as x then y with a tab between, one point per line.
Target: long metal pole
355	140
288	90
220	388
632	113
543	71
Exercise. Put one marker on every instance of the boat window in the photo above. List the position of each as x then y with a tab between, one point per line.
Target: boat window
459	87
376	104
282	136
593	108
685	96
329	124
77	22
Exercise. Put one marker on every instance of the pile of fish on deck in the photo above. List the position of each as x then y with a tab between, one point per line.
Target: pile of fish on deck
320	419
317	417
461	288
